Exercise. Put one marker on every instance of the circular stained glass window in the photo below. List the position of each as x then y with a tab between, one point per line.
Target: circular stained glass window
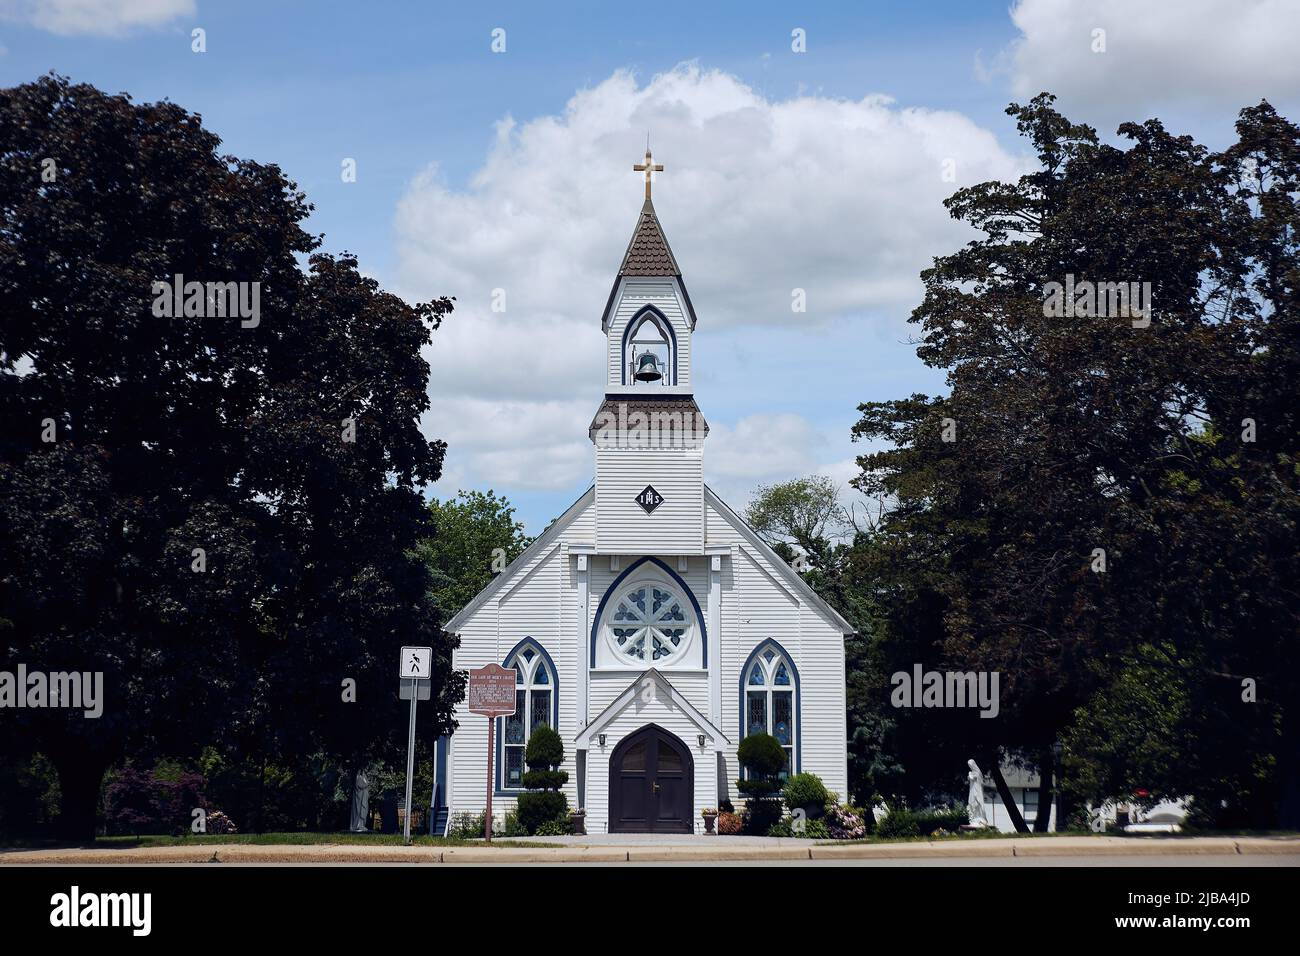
650	623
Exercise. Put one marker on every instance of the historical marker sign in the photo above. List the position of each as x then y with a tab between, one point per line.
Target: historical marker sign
492	691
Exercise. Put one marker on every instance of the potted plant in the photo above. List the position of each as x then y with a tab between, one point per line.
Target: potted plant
578	822
710	814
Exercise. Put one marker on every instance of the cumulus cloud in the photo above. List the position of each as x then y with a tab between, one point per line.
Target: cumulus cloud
1198	54
840	198
103	17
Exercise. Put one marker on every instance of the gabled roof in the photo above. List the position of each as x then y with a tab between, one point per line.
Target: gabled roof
648	253
715	736
788	574
539	545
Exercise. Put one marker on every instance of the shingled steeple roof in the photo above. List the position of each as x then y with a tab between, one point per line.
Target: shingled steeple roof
648	253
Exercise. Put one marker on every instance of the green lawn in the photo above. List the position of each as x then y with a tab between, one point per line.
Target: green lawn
273	839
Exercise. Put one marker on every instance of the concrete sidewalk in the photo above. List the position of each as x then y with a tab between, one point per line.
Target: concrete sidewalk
697	850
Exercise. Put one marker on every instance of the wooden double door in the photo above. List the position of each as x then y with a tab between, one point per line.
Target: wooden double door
651	784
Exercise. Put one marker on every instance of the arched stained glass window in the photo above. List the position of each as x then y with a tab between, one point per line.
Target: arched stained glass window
770	689
534	706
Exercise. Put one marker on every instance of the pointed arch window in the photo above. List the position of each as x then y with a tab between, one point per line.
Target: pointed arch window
648	350
536	703
770	706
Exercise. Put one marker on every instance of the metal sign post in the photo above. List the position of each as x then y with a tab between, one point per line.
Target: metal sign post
413	670
492	694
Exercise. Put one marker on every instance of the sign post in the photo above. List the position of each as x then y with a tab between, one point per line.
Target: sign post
491	693
414	667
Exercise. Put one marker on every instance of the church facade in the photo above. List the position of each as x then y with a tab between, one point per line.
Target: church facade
649	625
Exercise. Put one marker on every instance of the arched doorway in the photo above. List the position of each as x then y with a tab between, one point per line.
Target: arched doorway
651	784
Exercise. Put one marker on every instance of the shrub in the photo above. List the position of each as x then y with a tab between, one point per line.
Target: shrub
545	753
466	826
556	827
760	814
729	823
218	822
847	823
807	792
788	826
905	823
141	801
543	803
763	757
726	806
540	806
898	823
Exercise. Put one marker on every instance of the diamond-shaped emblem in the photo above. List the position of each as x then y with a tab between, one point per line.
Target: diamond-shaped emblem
649	499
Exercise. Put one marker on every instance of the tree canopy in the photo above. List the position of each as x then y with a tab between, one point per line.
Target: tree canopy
218	515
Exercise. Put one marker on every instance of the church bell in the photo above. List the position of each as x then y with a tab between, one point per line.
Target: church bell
647	368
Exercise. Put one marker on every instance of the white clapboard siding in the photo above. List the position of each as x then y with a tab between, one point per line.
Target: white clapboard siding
676	526
636	293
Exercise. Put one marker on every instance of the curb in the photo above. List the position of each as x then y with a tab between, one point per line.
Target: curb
1100	847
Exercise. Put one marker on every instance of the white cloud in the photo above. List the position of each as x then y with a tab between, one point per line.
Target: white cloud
104	17
840	198
1197	54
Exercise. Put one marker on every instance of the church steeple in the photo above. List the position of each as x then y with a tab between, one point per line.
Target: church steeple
649	433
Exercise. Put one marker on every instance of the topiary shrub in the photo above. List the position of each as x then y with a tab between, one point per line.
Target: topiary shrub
764	759
537	807
543	802
807	792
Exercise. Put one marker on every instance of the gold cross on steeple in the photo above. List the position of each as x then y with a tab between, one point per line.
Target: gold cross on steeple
648	167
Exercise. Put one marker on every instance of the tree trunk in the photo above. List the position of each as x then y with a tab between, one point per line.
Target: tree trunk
1004	792
81	771
1046	788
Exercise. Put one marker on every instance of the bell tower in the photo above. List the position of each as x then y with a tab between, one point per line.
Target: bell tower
649	433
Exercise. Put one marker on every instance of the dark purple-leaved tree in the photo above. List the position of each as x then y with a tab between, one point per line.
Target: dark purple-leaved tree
215	506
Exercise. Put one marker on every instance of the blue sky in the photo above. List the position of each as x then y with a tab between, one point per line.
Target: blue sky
820	170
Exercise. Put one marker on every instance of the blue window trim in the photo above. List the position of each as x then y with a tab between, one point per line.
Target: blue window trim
499	787
699	615
627	334
798	697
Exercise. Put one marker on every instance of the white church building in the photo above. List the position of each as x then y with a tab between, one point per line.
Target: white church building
649	624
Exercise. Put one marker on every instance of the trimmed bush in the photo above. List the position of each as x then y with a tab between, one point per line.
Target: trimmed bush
729	823
543	803
760	814
545	751
905	823
807	792
537	807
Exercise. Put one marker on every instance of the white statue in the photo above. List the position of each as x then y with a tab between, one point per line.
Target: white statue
975	795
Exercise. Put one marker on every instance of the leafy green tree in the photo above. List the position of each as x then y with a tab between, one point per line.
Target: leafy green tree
1094	484
217	513
476	538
